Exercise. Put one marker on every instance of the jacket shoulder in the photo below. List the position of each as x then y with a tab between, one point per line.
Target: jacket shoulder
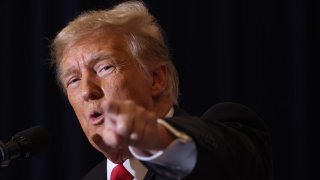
99	172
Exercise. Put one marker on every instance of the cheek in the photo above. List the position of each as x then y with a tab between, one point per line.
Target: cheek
79	111
74	102
77	106
139	91
116	87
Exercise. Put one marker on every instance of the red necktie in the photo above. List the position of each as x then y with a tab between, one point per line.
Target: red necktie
120	173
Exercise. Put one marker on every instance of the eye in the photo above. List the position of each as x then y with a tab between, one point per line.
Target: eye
104	70
73	81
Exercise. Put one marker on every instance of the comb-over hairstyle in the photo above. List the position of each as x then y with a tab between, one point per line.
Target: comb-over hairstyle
145	37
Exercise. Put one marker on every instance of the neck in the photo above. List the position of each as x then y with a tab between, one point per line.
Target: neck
162	107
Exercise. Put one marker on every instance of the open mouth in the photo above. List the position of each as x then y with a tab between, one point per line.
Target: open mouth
96	118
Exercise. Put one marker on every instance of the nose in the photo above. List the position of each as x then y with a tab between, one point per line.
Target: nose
90	89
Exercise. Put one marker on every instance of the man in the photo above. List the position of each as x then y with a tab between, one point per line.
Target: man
115	69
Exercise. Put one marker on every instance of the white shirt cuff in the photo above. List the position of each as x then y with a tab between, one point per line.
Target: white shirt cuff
180	154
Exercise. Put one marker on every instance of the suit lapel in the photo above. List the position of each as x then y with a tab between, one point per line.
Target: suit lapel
149	176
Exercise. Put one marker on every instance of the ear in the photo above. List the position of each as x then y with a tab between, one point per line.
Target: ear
159	82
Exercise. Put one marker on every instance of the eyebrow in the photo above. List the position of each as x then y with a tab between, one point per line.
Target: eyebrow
99	56
67	73
94	58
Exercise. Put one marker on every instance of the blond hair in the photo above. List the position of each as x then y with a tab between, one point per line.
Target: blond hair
146	38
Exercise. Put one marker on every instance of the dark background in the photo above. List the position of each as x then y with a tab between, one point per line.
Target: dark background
262	53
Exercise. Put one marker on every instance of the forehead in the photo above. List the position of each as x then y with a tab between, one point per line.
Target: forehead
102	41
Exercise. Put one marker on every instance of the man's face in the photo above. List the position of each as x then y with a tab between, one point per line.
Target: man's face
100	68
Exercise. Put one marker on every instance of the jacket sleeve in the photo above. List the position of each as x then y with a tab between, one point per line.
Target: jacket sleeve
232	143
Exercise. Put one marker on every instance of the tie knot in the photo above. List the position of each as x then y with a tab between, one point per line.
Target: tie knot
119	172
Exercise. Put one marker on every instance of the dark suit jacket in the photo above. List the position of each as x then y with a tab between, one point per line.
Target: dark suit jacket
232	142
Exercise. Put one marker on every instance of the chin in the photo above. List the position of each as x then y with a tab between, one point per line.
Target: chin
118	157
